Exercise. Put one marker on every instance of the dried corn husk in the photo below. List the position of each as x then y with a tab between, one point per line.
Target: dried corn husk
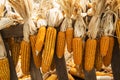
25	8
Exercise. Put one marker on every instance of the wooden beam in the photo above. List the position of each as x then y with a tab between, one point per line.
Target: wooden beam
115	63
13	31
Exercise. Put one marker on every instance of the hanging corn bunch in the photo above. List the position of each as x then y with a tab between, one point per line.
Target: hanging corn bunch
54	18
79	33
91	43
108	26
108	57
37	58
24	8
68	7
60	47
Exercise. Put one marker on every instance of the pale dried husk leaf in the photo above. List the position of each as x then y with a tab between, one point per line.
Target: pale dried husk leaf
54	17
25	8
107	24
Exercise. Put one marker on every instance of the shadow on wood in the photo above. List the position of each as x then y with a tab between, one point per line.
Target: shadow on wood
35	73
90	75
116	61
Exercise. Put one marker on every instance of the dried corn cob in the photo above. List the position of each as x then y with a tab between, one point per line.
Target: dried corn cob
40	39
77	50
60	44
37	58
90	51
52	77
4	69
118	31
15	49
98	57
49	47
104	45
25	56
70	77
108	57
69	37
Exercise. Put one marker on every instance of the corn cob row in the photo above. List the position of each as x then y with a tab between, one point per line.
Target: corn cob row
4	69
60	44
49	47
37	58
104	45
40	39
15	52
25	56
90	51
69	37
77	50
52	77
118	31
98	57
108	57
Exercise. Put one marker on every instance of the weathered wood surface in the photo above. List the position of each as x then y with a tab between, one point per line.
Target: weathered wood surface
116	61
14	31
35	73
90	75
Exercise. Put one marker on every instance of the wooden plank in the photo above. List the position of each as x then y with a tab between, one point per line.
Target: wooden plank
90	75
35	73
13	31
13	74
61	68
116	61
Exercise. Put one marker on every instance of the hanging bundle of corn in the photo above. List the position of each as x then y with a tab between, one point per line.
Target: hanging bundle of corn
15	49
98	57
91	43
60	46
54	18
37	58
68	7
108	57
24	8
79	33
108	25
